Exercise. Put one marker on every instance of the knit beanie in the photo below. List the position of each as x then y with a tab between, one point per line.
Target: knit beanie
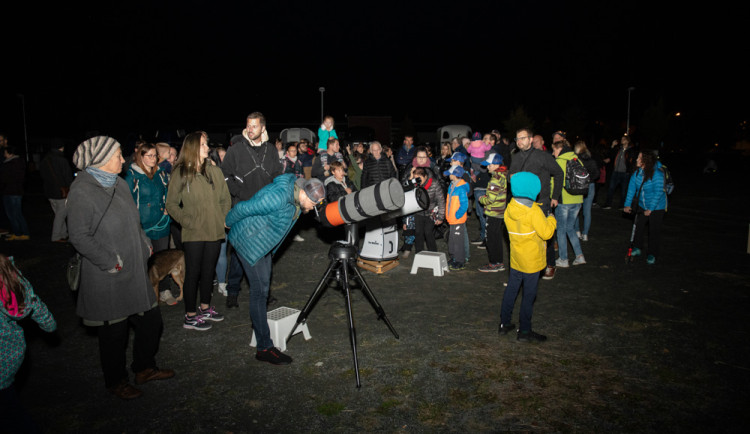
525	184
95	152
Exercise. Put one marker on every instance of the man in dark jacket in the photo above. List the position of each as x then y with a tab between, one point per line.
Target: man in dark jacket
543	165
57	176
623	158
250	164
377	167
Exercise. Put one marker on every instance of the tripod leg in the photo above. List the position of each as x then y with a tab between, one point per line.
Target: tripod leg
314	297
371	297
352	332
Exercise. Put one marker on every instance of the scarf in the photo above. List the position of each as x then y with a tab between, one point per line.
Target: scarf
106	179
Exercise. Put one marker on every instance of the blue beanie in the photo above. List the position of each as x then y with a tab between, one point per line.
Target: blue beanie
525	184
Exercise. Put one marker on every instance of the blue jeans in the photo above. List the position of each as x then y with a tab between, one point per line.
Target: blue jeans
259	280
588	200
221	264
479	192
13	210
566	219
530	282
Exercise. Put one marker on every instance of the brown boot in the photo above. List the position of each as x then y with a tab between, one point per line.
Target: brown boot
125	390
150	374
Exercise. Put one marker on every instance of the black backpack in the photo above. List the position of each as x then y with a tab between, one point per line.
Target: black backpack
668	181
577	178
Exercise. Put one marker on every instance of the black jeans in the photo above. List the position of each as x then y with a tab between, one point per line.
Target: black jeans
495	239
654	222
200	268
113	342
423	226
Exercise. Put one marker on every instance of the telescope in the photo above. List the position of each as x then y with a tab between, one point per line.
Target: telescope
387	200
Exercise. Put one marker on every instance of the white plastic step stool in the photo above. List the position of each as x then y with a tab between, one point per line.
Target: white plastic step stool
281	321
434	260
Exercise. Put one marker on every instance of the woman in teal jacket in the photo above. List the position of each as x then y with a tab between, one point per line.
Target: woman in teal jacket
647	197
148	185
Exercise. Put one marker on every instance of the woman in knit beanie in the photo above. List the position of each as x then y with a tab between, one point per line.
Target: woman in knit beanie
115	293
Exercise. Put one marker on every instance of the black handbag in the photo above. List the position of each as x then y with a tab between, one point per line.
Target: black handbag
73	273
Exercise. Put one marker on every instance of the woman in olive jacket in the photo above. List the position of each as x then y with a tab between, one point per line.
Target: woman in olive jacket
198	199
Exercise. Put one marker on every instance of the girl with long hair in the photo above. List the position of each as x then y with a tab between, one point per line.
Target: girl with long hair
198	199
647	197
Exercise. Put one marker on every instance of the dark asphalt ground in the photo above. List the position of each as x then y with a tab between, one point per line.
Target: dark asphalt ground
632	348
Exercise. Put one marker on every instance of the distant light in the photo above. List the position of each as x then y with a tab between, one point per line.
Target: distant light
678	114
716	145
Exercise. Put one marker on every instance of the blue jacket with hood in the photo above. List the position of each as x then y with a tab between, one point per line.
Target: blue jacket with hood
259	225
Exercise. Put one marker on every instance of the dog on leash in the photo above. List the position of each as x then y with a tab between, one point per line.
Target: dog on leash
169	262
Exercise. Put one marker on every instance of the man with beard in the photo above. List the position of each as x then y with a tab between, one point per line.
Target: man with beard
250	164
543	165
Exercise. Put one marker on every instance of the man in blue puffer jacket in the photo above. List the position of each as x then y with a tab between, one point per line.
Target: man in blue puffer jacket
647	183
257	228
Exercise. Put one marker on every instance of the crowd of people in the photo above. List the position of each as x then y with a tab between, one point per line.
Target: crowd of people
229	209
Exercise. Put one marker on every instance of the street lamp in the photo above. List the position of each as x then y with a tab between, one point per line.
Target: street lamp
627	127
322	90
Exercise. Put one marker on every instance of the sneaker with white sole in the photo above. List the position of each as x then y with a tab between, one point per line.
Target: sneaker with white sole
492	268
298	238
167	297
562	263
210	314
584	237
579	260
195	323
222	289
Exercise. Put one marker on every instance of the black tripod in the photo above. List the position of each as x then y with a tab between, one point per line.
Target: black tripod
343	257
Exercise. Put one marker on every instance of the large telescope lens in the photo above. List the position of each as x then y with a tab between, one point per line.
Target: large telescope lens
361	205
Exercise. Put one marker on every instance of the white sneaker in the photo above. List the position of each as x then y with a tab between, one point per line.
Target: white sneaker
579	234
584	237
298	238
167	298
561	263
580	260
223	289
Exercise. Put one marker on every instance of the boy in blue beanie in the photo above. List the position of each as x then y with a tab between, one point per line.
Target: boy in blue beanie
528	229
456	205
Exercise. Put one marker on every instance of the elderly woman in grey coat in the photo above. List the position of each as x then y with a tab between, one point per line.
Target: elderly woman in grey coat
115	293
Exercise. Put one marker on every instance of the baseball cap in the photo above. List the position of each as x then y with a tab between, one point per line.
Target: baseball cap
458	171
493	158
458	156
313	188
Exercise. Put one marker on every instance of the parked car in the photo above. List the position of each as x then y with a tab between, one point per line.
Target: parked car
447	133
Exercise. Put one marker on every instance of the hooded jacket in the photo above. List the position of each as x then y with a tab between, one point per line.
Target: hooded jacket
249	168
199	207
12	340
543	165
495	200
562	160
652	196
150	196
528	229
260	224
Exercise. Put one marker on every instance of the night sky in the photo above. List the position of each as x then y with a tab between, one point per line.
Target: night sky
136	66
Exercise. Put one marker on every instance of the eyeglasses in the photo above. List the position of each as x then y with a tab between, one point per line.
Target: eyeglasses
518	139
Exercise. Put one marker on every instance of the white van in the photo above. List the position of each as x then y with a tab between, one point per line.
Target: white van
449	132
